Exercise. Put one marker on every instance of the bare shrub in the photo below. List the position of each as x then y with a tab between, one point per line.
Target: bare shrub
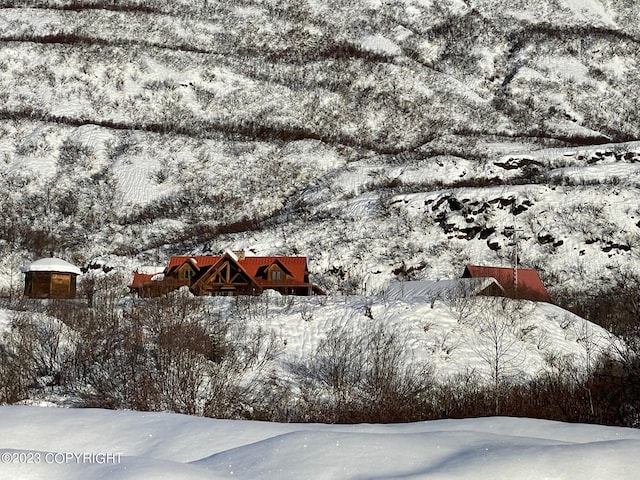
354	377
394	387
16	367
461	396
155	355
497	321
329	378
181	352
236	385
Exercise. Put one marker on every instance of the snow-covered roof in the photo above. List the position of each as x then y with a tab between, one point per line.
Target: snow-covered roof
438	289
51	265
232	254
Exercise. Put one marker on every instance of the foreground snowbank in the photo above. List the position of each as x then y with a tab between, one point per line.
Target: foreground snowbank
41	443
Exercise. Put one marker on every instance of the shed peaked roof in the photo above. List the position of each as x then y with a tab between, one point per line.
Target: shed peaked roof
530	286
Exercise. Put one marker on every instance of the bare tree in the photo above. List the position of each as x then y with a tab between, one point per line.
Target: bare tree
496	320
393	383
16	368
236	380
588	339
362	376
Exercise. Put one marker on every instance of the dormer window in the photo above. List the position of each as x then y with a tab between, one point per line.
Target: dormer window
187	274
276	275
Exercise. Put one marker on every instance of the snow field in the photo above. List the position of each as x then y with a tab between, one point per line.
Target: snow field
170	446
446	339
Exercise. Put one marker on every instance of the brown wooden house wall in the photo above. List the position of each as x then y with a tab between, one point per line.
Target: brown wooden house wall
50	285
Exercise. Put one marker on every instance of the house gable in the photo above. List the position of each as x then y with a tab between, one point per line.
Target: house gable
227	277
186	272
198	263
276	271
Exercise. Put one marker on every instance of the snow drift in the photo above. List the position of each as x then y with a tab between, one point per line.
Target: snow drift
159	445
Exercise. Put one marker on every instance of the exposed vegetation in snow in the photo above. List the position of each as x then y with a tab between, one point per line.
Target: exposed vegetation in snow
385	141
340	359
147	128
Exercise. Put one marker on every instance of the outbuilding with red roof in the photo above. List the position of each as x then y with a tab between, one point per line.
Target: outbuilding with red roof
526	285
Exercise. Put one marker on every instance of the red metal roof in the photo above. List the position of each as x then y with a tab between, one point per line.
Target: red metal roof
297	266
530	286
197	261
139	279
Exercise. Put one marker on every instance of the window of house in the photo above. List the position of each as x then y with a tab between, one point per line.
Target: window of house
276	275
187	274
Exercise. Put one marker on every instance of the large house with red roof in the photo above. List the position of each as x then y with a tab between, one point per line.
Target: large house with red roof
231	273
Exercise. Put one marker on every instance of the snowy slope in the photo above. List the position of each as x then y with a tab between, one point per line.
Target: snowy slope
383	141
446	338
36	444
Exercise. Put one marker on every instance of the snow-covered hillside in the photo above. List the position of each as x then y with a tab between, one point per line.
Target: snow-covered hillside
127	445
449	339
383	140
279	357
